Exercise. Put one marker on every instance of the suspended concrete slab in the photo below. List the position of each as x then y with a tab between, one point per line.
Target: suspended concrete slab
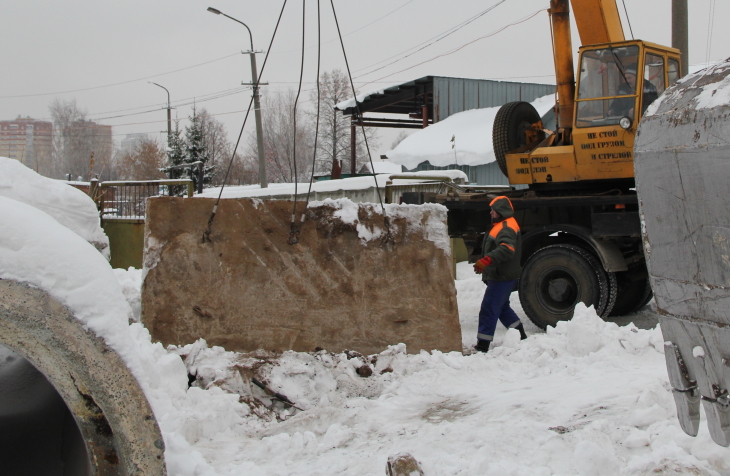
344	286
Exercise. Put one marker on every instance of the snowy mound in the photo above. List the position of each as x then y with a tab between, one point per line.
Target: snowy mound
36	249
71	207
472	132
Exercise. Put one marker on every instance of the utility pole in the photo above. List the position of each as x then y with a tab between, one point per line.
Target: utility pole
256	103
257	115
680	32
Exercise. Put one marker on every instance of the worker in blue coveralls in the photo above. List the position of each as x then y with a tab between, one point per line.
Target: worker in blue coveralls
500	269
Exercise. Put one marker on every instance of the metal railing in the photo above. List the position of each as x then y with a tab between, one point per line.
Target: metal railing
127	200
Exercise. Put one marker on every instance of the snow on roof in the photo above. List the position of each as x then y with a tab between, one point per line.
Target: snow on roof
352	183
384	167
472	131
341	106
71	207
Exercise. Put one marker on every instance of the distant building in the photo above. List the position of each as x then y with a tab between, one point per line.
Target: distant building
27	140
428	100
131	141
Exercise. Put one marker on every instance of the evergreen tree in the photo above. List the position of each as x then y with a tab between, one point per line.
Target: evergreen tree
176	156
197	150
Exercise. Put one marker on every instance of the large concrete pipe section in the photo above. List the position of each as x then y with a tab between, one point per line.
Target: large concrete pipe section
68	403
682	175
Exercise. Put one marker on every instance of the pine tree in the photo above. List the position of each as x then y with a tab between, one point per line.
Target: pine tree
176	156
197	150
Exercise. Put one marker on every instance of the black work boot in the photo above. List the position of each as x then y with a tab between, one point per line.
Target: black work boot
521	328
483	345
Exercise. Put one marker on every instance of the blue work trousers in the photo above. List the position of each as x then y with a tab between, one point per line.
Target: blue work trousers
495	305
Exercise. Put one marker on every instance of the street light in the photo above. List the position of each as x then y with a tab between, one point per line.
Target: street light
169	117
256	103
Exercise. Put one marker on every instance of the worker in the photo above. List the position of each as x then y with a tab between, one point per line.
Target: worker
500	269
625	106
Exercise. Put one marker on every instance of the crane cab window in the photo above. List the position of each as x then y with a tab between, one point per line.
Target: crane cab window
653	79
673	71
607	87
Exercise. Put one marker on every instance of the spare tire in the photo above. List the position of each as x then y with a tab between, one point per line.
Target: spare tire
508	132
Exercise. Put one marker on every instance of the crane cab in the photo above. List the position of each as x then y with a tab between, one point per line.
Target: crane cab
616	83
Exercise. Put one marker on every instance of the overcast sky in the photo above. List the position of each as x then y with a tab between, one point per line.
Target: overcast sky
102	53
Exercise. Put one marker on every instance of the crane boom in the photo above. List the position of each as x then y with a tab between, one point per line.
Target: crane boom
598	21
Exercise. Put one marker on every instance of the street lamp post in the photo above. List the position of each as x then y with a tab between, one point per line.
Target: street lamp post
169	116
256	103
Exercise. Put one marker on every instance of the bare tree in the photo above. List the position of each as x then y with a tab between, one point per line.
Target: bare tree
217	143
280	136
81	147
143	162
334	129
398	139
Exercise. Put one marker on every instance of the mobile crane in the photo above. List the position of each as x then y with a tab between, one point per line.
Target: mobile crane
579	215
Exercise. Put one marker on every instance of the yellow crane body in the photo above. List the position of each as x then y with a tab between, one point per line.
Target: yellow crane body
596	115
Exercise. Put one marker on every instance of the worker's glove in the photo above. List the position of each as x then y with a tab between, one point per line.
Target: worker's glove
481	264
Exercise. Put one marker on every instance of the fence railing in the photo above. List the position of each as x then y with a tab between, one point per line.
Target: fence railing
126	200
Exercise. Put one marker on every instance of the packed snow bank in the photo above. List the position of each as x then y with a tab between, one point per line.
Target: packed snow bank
472	133
71	207
428	220
324	186
36	249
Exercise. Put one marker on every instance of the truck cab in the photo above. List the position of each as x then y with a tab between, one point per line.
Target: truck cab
616	84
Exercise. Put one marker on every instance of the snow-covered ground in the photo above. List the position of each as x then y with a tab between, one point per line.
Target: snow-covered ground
585	398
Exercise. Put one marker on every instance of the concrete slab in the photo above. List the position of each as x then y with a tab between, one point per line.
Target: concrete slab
248	289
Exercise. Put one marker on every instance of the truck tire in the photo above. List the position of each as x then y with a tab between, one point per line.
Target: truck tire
508	131
633	294
557	277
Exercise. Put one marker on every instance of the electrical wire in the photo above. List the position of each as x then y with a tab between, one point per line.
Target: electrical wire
422	46
208	228
119	83
463	46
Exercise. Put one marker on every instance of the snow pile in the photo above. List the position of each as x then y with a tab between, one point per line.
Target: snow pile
71	207
130	281
427	220
586	398
323	186
472	132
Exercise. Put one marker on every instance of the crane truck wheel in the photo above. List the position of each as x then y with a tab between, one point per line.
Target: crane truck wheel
508	133
634	292
557	277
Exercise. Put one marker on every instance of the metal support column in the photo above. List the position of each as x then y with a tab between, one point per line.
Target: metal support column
353	151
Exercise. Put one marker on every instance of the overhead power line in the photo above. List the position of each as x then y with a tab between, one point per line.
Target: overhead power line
431	41
119	83
464	45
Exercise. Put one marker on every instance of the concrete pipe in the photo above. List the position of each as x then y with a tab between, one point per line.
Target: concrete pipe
68	403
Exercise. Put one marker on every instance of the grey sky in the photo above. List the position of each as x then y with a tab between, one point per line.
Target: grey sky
52	47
